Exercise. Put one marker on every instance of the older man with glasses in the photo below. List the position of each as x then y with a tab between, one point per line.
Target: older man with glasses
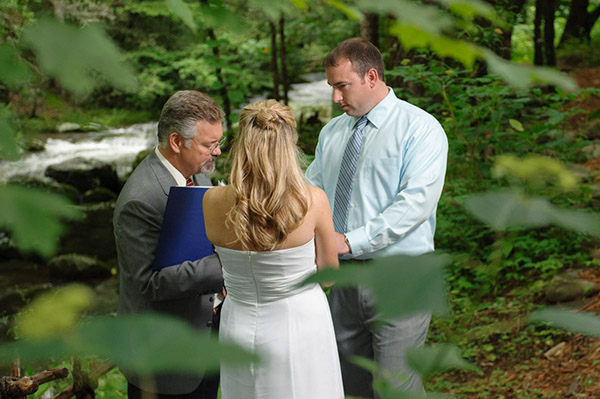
189	141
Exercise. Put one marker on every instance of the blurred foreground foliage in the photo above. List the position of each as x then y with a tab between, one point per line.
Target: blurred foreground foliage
82	59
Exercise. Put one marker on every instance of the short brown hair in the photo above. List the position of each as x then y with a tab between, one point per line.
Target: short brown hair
181	112
360	52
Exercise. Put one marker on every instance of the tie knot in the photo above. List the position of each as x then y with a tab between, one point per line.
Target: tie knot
361	123
189	182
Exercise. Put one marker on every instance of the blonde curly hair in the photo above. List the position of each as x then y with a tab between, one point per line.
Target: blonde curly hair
266	176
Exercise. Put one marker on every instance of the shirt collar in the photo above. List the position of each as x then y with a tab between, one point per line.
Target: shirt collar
380	112
179	178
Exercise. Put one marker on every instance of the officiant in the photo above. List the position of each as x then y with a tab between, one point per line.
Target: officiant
189	134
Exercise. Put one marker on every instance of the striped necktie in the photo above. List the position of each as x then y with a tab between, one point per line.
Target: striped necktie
189	182
343	190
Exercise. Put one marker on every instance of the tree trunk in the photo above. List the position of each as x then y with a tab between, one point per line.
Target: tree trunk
219	72
538	53
369	28
282	57
549	52
577	27
274	60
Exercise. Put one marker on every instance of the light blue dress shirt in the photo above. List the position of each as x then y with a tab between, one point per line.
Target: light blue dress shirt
399	178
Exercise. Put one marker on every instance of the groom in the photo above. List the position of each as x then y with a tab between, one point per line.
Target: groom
189	131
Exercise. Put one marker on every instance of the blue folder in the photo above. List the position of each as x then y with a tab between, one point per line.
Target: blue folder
182	235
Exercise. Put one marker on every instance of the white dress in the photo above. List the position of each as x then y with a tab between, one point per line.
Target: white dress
289	326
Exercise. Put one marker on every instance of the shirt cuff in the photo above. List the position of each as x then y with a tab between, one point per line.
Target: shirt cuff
359	242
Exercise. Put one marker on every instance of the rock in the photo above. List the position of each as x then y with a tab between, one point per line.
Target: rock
93	234
68	127
34	145
107	297
49	185
98	194
592	150
78	267
567	287
13	299
592	130
85	174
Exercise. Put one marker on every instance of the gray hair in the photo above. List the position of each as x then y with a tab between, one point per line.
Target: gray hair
181	112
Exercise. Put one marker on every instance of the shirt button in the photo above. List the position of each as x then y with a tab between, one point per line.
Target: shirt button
354	179
352	205
361	252
209	323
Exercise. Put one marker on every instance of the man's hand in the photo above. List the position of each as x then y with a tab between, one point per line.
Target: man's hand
342	247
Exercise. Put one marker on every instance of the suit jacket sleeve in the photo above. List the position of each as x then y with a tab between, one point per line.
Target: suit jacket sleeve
137	229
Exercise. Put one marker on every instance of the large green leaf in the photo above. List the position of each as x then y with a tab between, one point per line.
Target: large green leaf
386	382
505	209
437	359
584	323
524	77
13	71
395	282
33	217
275	9
54	312
79	58
349	10
183	11
412	36
470	9
144	344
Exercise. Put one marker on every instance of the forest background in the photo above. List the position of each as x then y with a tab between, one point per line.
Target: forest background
519	205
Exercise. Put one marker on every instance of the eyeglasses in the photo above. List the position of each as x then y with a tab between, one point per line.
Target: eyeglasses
213	147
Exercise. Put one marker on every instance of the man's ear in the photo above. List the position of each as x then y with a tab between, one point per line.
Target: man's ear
372	77
176	141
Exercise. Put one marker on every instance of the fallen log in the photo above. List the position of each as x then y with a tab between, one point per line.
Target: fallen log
19	388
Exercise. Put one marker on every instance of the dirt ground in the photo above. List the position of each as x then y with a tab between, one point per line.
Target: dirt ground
568	368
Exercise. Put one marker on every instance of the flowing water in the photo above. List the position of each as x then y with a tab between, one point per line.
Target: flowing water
120	146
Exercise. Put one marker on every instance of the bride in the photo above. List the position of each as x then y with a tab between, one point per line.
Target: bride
272	230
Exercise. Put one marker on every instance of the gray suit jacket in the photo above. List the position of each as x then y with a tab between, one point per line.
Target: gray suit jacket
183	290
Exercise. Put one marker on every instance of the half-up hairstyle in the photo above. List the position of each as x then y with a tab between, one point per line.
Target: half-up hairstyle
268	182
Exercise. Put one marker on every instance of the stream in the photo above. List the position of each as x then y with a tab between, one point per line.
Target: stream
120	146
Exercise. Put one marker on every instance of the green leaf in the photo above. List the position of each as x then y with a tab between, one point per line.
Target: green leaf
79	58
350	11
13	71
182	10
34	217
395	282
386	381
515	124
236	96
524	77
584	323
436	359
143	344
469	9
412	36
54	313
273	9
9	147
505	209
